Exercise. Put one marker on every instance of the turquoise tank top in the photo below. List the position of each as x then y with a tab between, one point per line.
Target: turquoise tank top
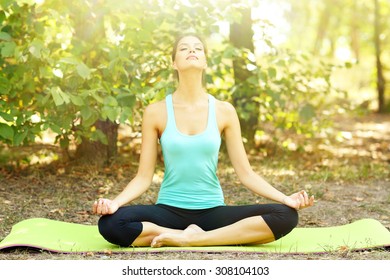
190	179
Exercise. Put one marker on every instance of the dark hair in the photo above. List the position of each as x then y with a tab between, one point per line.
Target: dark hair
174	50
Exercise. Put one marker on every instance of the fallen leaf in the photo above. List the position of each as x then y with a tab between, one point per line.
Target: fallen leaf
108	252
59	211
343	248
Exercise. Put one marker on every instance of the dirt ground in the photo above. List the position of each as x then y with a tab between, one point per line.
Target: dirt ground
350	178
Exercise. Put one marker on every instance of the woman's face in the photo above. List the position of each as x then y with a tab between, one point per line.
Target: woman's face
190	53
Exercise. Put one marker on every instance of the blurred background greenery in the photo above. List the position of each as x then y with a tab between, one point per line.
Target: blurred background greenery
77	73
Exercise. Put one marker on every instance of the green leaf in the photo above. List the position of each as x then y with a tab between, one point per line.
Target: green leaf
229	53
69	60
97	97
4	86
98	135
39	27
307	112
5	36
6	3
2	15
110	112
86	112
45	72
65	97
56	128
59	96
263	76
89	116
83	71
36	48
110	101
56	96
253	80
144	36
87	123
7	117
8	49
6	131
126	99
127	115
64	142
348	65
272	72
43	100
76	100
19	137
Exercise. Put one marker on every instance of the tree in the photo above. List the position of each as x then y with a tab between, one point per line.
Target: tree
380	79
81	68
355	38
89	32
361	23
241	37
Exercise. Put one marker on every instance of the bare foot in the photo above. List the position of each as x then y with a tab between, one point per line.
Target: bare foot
193	228
176	239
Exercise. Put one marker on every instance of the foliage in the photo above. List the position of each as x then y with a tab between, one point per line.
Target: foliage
296	96
293	90
343	30
66	64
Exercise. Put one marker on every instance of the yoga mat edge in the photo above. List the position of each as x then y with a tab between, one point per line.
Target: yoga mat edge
64	237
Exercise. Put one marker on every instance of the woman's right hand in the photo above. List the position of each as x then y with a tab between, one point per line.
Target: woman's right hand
104	206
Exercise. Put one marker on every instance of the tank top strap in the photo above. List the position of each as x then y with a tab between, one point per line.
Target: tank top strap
212	120
170	112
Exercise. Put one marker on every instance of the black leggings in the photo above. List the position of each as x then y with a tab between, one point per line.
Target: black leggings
124	226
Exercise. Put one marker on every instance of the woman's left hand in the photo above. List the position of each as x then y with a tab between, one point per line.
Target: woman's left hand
299	200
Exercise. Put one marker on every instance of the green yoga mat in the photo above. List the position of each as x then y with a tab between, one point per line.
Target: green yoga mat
57	236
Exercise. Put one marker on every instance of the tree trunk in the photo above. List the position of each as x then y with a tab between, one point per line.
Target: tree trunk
95	152
355	31
380	80
241	36
89	28
326	23
322	28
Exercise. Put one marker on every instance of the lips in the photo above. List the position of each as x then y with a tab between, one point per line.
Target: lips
192	57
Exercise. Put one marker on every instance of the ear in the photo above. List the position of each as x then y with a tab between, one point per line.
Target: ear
174	65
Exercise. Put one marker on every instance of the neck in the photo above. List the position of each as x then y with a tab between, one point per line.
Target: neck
190	87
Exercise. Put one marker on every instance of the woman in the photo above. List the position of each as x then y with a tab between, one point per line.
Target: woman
190	209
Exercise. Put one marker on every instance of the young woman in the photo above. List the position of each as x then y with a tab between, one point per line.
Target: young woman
190	209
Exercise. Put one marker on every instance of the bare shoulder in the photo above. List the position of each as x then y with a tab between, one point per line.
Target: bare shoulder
155	108
225	109
155	115
226	114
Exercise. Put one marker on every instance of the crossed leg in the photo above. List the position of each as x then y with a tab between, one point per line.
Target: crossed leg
252	230
225	225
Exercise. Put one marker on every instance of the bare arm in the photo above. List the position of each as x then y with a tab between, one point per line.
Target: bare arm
244	171
143	179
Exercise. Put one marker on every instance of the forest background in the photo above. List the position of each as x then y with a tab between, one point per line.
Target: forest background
309	80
